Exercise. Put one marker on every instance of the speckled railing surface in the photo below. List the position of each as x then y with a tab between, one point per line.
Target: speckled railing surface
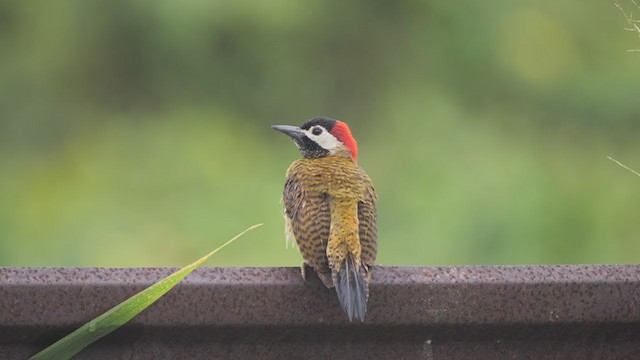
459	312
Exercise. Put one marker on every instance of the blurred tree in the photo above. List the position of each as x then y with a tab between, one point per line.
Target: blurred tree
136	133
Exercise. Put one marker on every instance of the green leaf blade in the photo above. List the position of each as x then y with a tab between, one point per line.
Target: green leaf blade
119	315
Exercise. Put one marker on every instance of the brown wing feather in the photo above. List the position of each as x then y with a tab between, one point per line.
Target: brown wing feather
310	220
368	229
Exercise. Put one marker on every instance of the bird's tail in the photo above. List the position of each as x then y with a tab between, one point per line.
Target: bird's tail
352	288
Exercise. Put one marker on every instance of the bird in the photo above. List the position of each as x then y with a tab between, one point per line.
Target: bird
330	210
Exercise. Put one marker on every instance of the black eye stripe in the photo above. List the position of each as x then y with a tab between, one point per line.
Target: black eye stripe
325	122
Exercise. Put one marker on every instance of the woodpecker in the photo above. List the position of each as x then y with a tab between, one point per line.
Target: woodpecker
330	210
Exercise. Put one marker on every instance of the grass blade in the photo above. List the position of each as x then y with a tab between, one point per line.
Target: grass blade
104	324
623	165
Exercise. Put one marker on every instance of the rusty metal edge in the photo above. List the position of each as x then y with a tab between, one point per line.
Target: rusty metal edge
482	312
486	295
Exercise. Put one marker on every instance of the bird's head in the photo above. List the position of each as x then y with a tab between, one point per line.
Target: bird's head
322	136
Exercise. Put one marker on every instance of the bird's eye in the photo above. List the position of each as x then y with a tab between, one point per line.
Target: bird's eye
316	131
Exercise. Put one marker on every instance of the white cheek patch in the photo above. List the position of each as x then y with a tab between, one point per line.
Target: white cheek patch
325	140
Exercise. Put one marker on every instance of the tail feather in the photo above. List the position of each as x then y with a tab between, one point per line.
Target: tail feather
352	289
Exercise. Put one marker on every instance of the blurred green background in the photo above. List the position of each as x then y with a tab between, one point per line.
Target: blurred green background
136	133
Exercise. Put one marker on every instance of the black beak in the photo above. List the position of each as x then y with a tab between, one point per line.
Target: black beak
293	131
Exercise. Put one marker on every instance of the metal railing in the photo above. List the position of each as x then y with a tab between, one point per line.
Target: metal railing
451	312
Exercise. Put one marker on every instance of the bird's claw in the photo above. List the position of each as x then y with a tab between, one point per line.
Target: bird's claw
303	271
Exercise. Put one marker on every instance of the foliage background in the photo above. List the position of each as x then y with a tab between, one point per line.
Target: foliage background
136	133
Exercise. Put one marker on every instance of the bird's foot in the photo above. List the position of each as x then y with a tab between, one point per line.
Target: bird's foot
303	270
